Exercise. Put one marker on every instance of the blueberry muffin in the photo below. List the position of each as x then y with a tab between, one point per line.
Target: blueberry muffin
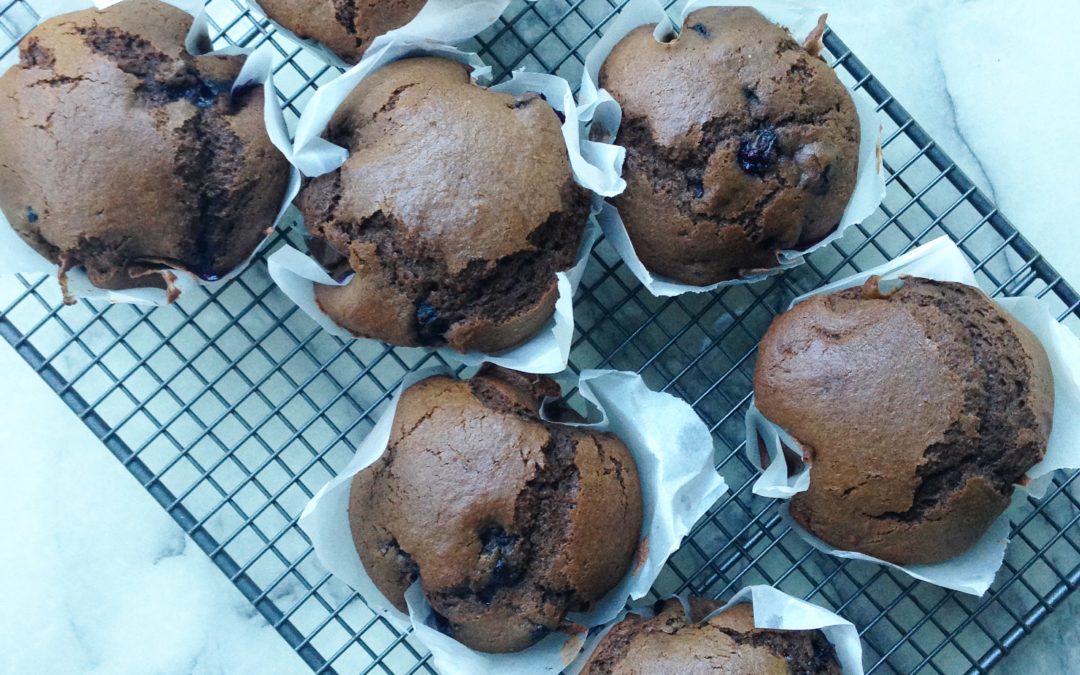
727	642
509	522
345	27
125	155
739	144
454	212
920	409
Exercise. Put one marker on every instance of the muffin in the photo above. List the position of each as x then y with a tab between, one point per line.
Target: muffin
509	522
739	144
726	643
454	212
125	155
918	409
345	27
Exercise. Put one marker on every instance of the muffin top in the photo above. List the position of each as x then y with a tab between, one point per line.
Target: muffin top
509	522
455	211
920	409
122	153
727	642
345	27
739	144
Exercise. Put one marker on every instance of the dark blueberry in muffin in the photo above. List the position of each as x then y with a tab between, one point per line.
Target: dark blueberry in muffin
431	325
757	151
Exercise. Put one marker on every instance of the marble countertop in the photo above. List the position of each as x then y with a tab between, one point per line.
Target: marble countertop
986	78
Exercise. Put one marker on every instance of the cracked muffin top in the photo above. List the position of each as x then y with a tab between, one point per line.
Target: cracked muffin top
345	27
123	154
919	409
740	143
509	522
727	642
454	212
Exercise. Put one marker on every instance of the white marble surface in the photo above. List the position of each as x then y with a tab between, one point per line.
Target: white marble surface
104	581
994	83
95	577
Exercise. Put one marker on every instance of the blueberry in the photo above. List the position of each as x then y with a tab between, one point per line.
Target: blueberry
31	214
430	325
757	152
701	30
500	569
501	548
204	95
539	631
695	186
201	94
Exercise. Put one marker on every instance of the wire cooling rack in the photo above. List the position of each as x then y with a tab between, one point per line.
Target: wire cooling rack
231	409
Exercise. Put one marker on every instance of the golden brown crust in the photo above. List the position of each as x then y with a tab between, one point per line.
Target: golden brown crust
509	522
345	27
460	239
920	409
739	144
122	153
726	643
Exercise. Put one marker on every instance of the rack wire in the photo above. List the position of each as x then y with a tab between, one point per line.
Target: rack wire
232	408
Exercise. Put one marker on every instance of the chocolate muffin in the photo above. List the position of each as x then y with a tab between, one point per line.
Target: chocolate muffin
739	144
455	211
728	642
345	27
123	154
919	410
509	522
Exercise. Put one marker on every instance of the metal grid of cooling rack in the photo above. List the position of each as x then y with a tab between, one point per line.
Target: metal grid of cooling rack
231	409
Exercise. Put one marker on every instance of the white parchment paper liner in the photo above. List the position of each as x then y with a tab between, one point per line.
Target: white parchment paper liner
443	21
973	571
20	258
773	610
596	166
673	451
596	106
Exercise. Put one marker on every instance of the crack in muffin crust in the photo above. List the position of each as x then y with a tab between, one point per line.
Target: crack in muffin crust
923	486
111	101
739	144
503	528
442	255
727	642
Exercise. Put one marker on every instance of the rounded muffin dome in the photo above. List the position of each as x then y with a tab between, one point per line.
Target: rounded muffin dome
739	144
125	155
507	521
345	27
919	409
725	642
454	212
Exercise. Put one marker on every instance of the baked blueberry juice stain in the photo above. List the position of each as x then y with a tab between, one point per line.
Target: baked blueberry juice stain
696	187
430	325
757	151
701	30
